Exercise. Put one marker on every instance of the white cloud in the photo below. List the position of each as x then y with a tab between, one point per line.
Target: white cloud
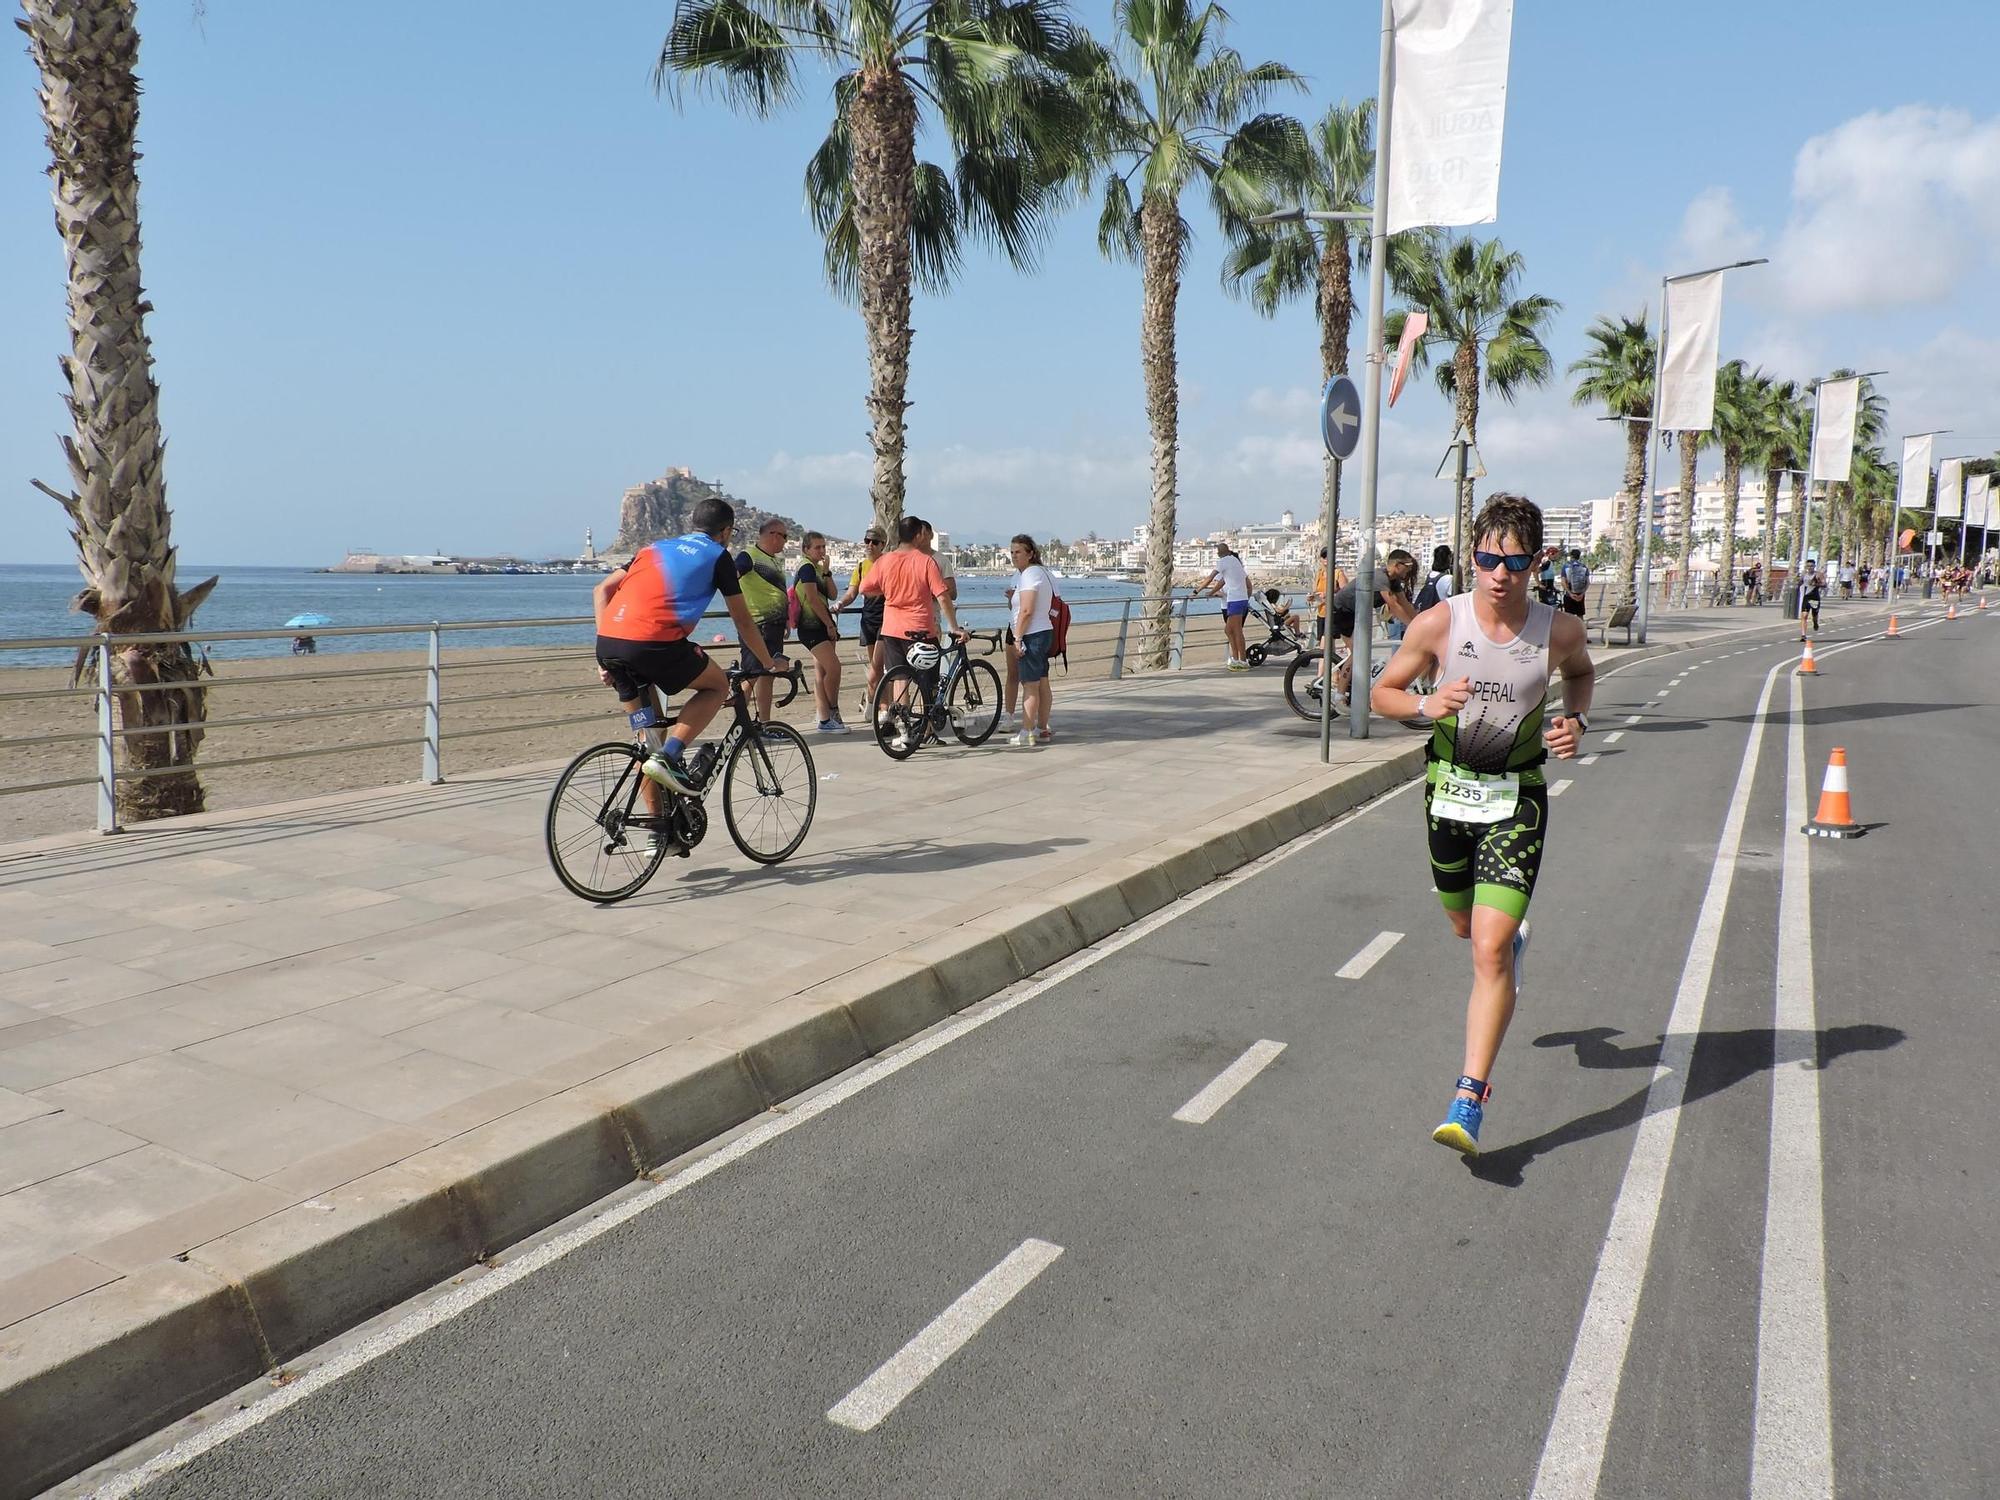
1713	232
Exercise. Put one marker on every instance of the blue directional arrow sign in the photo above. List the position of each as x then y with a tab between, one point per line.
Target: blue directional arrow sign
1340	417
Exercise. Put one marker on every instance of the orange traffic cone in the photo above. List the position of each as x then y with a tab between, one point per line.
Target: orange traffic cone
1982	601
1805	667
1835	818
1951	610
1892	633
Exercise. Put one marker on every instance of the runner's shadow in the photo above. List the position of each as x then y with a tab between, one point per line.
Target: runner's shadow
1715	1060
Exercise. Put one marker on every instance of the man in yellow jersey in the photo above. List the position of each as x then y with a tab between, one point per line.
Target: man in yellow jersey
761	567
1485	798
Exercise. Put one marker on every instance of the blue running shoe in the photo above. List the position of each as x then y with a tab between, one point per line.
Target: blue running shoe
1460	1129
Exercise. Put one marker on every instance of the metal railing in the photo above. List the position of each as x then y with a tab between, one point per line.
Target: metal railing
1137	637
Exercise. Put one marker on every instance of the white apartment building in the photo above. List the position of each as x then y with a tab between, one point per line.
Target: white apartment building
1607	515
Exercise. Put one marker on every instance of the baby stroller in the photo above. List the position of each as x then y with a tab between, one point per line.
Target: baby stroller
1284	638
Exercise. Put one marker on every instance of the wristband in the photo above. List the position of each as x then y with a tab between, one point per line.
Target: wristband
1424	706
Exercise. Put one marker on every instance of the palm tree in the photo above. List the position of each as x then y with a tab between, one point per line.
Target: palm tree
1317	259
1787	434
994	77
1739	429
1180	109
1690	445
1618	372
87	52
1466	287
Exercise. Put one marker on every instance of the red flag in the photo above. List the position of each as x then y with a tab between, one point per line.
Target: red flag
1413	329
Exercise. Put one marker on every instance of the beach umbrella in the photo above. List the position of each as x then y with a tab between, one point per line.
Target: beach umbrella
308	622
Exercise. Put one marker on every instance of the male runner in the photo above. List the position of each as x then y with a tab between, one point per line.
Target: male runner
646	611
1485	798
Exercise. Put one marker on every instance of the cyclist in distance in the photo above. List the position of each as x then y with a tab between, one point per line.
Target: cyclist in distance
646	612
1486	802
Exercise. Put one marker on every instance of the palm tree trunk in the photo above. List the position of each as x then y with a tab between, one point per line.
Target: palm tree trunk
87	52
1732	491
1689	456
1465	383
1160	237
1770	547
883	125
1637	505
1336	321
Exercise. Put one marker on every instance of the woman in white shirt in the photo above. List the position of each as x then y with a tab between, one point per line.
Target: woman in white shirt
1034	634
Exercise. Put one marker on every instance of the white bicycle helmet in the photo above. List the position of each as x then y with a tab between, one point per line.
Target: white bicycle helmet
922	655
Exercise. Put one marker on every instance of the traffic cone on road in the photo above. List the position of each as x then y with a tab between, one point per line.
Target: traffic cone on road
1982	601
1835	817
1951	610
1806	667
1892	633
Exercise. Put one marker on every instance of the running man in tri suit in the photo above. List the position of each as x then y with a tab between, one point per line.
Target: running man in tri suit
1485	800
646	612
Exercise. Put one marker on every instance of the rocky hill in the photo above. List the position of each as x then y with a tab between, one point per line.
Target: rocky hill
661	507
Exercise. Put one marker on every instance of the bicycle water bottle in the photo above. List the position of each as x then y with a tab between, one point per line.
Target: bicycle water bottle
702	763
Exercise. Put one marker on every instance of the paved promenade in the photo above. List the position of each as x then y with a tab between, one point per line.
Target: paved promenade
228	1044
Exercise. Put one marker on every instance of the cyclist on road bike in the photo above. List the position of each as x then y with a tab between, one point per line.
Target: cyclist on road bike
913	592
646	612
1486	802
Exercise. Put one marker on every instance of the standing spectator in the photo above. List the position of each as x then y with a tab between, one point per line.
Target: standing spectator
819	631
1862	578
913	592
1231	580
947	565
1575	584
1034	592
871	611
761	567
1545	576
1437	585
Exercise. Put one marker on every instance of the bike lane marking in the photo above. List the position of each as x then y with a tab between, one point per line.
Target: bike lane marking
1227	1084
1378	946
1557	788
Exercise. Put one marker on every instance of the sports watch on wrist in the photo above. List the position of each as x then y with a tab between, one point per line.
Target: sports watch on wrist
1582	724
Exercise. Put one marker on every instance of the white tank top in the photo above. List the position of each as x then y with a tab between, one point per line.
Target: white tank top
1500	727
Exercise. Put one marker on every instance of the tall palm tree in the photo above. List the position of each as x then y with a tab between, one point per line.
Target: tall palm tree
1467	289
1317	259
1689	445
993	75
1787	431
87	52
1739	430
1175	104
1617	371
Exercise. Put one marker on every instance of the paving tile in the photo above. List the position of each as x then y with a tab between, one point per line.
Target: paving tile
255	1141
519	1042
297	1051
604	954
628	1007
14	1108
174	1233
193	957
168	1080
323	1171
530	986
413	1086
437	966
489	1104
73	983
50	1145
49	1284
98	1200
247	997
42	1027
86	1050
388	1011
22	953
758	954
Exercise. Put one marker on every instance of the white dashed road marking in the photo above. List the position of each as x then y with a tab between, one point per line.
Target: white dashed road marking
1228	1083
1557	788
1614	737
1589	760
1368	957
1636	719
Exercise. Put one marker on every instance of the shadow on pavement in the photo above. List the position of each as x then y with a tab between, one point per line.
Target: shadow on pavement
877	859
1822	714
1719	1060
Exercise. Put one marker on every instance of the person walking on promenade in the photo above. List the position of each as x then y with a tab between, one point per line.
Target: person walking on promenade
761	566
646	612
1575	584
819	631
1034	632
1229	579
1486	804
870	633
913	593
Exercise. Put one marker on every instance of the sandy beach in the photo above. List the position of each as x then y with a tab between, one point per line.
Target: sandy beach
384	691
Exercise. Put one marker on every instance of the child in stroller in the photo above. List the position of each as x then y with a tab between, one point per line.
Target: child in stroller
1275	612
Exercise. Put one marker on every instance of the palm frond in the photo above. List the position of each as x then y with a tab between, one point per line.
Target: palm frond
1118	222
732	48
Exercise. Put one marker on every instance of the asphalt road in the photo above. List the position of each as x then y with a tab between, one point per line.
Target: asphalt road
1302	1295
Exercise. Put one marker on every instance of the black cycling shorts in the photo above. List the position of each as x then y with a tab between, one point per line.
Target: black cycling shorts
1490	864
634	665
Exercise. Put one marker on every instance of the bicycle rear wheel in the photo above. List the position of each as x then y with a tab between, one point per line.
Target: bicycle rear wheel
593	848
974	707
769	791
1300	690
902	713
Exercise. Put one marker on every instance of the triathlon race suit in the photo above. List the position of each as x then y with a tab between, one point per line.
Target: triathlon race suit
1485	797
642	640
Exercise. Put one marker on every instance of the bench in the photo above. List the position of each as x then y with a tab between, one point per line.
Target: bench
1619	619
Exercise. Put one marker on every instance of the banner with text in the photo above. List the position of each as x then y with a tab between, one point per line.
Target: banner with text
1913	487
1833	437
1448	103
1694	344
1951	489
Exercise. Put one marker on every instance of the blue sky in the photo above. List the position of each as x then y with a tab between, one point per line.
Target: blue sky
452	276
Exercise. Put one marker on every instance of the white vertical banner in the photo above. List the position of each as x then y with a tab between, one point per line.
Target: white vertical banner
1979	500
1694	345
1448	105
1913	486
1951	489
1833	440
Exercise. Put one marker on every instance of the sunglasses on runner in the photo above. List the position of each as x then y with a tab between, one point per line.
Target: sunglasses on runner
1513	562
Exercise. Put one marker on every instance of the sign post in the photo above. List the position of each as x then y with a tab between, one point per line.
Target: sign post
1340	430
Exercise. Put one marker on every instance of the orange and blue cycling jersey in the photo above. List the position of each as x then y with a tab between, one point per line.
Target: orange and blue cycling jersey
667	587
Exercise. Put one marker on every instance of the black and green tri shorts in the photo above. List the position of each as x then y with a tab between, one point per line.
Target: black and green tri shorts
1489	864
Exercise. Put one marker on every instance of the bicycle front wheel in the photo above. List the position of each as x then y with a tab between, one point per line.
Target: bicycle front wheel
595	851
769	790
1300	690
975	703
902	713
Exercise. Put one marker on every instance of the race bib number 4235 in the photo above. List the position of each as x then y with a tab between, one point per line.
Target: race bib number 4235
1476	799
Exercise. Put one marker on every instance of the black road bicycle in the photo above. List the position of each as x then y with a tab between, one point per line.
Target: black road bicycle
913	704
608	828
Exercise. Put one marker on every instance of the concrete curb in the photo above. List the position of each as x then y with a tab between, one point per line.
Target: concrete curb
82	1380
